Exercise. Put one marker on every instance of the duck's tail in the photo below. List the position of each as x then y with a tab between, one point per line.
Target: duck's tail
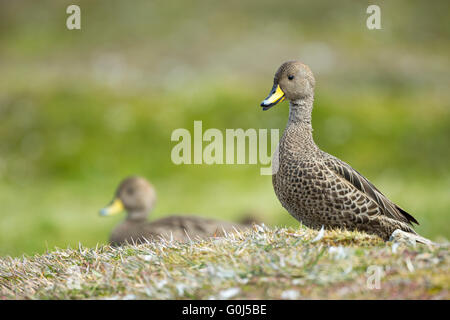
412	238
249	220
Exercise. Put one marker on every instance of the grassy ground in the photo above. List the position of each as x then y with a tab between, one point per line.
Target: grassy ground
263	263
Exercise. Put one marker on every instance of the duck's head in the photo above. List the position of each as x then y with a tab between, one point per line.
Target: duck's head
293	81
134	195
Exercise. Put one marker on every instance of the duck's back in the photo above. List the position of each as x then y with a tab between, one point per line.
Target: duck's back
131	231
180	228
184	228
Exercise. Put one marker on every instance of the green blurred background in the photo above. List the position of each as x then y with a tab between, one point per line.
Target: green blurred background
82	109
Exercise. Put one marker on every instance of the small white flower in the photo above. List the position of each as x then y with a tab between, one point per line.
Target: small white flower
338	252
259	228
180	288
147	257
74	283
160	284
395	247
409	265
229	293
290	295
74	280
148	291
319	235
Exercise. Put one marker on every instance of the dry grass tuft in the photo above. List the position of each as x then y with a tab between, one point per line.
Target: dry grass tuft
262	263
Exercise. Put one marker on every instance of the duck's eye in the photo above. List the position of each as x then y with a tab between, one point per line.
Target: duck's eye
290	77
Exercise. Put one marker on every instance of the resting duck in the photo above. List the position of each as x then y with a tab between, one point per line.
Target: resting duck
137	197
316	188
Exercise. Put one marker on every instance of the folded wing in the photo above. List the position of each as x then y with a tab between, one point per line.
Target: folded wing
388	208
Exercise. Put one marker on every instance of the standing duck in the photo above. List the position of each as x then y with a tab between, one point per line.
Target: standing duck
316	188
137	197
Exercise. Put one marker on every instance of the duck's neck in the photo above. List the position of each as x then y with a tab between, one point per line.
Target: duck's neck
137	216
300	112
297	137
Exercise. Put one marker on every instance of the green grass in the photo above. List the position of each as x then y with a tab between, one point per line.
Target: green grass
261	263
65	153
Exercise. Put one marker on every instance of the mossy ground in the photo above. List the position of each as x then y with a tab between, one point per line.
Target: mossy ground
262	263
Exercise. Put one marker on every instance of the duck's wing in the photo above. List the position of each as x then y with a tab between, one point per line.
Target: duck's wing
194	226
133	232
346	172
171	227
209	227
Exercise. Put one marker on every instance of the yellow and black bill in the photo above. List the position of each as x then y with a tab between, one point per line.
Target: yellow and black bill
115	207
276	95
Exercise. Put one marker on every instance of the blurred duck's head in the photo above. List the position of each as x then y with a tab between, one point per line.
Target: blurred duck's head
134	195
293	81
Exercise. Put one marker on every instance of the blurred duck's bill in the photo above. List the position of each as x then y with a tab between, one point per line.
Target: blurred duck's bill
276	95
114	208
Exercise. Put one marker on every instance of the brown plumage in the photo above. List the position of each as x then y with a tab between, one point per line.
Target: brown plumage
316	188
137	196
